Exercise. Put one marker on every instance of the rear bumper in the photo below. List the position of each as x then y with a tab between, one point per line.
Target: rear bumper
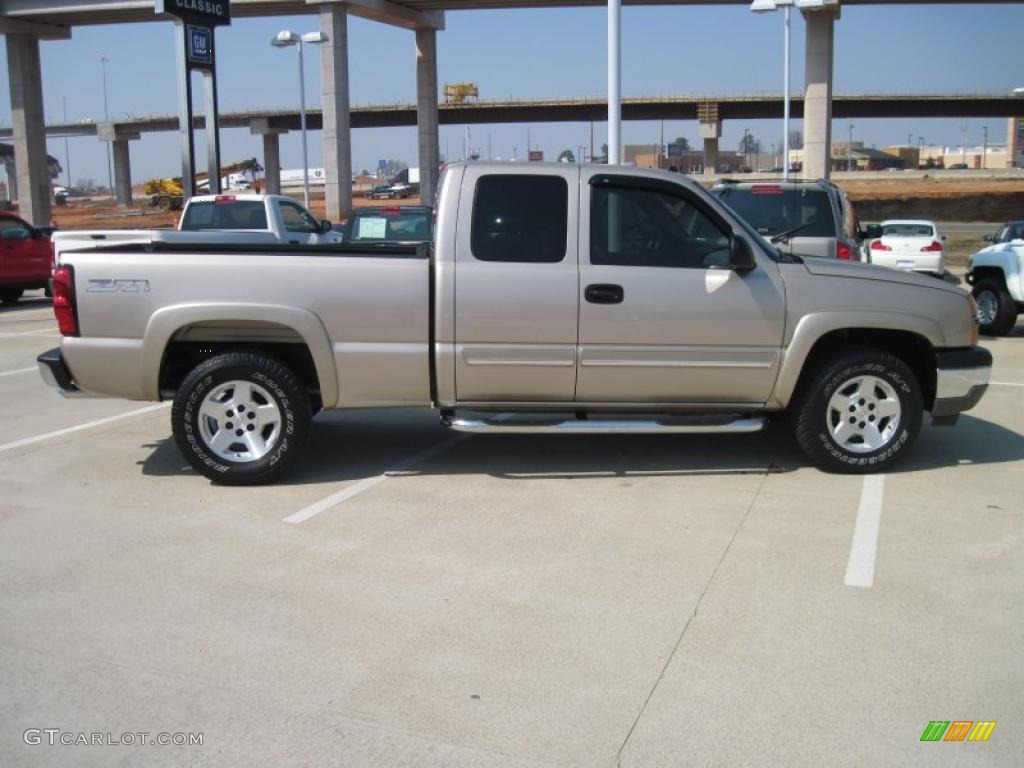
961	381
56	374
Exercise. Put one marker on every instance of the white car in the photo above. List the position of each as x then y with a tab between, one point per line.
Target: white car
910	245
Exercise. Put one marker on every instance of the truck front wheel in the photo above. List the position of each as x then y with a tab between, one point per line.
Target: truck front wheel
997	313
860	413
241	418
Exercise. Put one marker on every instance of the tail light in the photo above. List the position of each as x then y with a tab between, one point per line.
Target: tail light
878	245
225	199
64	300
766	189
935	246
843	252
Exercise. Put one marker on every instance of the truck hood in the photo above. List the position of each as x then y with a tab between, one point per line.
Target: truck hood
835	268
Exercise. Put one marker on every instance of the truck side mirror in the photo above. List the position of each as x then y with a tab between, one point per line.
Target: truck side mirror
989	238
325	226
741	257
872	232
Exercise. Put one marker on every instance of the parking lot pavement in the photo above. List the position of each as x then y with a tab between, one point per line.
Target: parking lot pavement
506	601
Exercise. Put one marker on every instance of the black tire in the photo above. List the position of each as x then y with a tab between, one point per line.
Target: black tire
997	314
10	295
269	380
816	426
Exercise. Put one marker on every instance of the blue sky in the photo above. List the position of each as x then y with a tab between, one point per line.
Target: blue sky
684	50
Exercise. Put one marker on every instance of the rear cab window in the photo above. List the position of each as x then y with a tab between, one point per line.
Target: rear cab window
234	214
520	218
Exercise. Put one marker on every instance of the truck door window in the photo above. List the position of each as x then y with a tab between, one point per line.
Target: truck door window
522	218
297	219
648	228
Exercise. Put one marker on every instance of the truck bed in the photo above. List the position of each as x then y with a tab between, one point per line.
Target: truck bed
362	311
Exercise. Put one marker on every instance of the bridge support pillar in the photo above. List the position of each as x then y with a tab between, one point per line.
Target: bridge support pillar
427	113
711	132
818	95
32	171
271	153
122	162
337	127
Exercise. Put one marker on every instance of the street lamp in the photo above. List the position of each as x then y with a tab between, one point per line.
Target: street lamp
106	118
767	6
283	39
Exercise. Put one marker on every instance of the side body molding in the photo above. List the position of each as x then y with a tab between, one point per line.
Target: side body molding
165	322
812	327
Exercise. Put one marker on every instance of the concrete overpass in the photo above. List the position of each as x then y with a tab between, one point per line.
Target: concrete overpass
26	22
273	122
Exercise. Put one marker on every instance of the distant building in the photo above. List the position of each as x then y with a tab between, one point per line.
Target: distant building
992	157
688	161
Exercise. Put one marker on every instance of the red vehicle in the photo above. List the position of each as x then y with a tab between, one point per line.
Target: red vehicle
25	254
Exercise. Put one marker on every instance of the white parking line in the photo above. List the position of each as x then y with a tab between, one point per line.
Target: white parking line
20	370
367	483
88	425
1005	384
860	568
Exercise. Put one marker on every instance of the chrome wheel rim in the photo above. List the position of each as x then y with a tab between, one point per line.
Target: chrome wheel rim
988	306
239	421
864	414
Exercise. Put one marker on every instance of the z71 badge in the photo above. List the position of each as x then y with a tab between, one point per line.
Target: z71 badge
111	285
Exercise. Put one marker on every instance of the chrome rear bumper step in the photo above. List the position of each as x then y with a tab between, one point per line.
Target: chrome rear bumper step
510	423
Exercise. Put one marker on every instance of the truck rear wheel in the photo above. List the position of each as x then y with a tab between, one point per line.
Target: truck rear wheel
997	314
241	418
860	413
10	295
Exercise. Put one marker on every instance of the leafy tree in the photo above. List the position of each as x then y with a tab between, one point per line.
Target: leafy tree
566	156
682	142
749	145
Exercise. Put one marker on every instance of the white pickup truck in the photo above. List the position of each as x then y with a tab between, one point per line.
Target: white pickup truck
246	219
996	275
555	298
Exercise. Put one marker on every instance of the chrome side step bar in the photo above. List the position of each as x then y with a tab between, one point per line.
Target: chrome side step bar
509	423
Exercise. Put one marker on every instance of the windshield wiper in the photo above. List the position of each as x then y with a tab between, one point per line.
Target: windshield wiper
784	236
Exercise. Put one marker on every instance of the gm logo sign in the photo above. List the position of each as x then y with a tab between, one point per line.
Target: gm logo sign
200	45
958	730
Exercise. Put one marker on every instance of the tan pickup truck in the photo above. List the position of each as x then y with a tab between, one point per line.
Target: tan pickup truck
555	298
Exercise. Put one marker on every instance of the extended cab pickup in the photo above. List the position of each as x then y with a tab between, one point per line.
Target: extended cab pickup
555	298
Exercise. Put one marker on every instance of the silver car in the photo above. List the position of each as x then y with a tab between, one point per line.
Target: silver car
807	218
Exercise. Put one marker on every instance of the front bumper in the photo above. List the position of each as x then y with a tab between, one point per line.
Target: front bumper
962	378
56	374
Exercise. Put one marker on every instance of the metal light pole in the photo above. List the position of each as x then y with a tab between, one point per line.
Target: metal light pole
67	153
984	147
614	81
767	6
284	39
106	119
849	150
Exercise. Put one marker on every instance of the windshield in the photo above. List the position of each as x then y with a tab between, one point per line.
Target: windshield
771	209
908	230
389	227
